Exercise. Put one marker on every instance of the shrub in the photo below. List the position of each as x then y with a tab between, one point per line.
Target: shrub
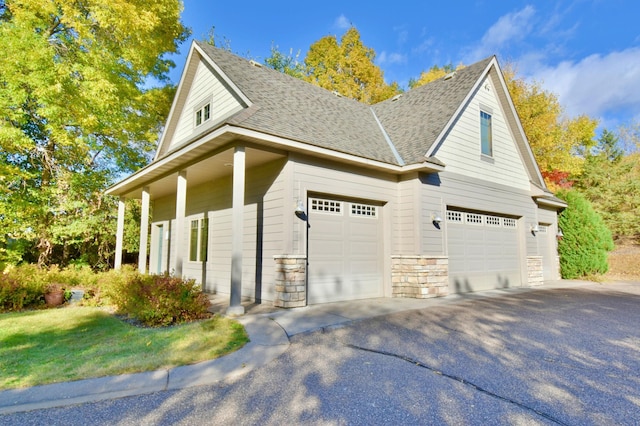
158	300
586	241
22	287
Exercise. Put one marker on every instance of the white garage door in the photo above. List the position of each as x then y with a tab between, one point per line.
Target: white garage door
483	251
345	250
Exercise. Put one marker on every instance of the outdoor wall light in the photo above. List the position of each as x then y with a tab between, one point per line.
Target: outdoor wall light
436	218
535	229
300	212
559	235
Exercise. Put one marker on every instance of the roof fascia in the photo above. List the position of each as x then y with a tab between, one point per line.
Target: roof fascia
452	119
270	140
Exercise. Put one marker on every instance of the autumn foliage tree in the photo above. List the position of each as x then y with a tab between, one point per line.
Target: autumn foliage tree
75	111
558	143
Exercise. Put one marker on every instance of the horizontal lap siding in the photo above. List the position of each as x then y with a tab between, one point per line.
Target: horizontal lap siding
205	86
460	150
264	207
403	225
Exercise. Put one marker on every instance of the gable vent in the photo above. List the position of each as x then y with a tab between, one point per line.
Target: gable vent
450	75
255	64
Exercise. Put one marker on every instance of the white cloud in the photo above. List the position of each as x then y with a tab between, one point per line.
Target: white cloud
391	58
342	23
600	86
508	29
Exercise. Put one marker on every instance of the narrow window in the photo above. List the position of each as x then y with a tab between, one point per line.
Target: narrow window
485	134
193	241
199	240
204	239
207	112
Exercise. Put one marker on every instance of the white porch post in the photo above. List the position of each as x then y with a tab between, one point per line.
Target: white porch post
181	205
237	225
144	231
117	264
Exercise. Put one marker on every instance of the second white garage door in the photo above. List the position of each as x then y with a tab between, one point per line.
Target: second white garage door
483	251
345	250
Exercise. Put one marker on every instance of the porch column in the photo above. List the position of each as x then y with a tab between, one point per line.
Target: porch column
144	231
181	206
117	264
237	225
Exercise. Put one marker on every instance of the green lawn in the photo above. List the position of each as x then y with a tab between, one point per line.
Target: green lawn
56	345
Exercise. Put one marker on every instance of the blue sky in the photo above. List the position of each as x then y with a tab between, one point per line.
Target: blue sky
587	52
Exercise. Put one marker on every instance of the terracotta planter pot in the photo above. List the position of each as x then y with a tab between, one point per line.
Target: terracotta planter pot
55	298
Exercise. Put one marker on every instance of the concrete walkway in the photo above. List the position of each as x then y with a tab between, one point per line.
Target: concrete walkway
269	333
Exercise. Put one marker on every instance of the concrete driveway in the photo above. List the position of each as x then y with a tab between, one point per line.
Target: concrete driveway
568	356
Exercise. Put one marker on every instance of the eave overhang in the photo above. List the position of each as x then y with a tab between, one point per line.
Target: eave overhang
206	145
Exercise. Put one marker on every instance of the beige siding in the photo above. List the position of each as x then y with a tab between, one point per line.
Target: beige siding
460	150
205	86
404	221
471	194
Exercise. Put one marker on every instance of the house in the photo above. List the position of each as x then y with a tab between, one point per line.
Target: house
269	188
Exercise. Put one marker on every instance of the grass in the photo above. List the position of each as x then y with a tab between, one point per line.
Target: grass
72	343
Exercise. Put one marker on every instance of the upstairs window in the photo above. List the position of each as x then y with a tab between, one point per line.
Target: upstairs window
203	114
486	138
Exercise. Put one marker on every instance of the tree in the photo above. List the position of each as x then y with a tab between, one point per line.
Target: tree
586	241
558	143
287	64
434	73
611	182
348	68
75	112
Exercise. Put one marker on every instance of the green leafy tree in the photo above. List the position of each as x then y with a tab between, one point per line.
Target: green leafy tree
348	68
586	241
610	180
75	110
287	64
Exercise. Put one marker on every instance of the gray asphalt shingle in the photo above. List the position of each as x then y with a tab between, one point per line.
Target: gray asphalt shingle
289	107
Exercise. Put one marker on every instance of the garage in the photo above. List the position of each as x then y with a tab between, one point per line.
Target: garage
345	250
483	251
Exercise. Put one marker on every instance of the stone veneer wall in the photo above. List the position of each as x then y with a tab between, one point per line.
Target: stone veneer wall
291	276
535	275
419	277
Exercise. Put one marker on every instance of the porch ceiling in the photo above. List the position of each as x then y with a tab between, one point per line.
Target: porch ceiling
209	169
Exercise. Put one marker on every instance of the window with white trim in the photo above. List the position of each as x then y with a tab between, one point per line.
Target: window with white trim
326	206
474	219
486	138
454	216
492	220
508	222
203	114
364	210
199	240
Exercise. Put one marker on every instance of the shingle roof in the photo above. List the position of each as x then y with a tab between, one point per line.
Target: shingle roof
418	117
289	107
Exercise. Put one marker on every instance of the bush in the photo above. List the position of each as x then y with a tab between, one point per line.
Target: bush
586	241
158	300
22	287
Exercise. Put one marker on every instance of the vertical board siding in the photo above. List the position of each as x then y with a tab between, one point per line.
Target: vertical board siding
460	150
206	85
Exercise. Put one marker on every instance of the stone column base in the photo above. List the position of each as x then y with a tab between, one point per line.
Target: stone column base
535	275
419	277
291	277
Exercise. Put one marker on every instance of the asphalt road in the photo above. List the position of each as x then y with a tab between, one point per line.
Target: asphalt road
558	356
